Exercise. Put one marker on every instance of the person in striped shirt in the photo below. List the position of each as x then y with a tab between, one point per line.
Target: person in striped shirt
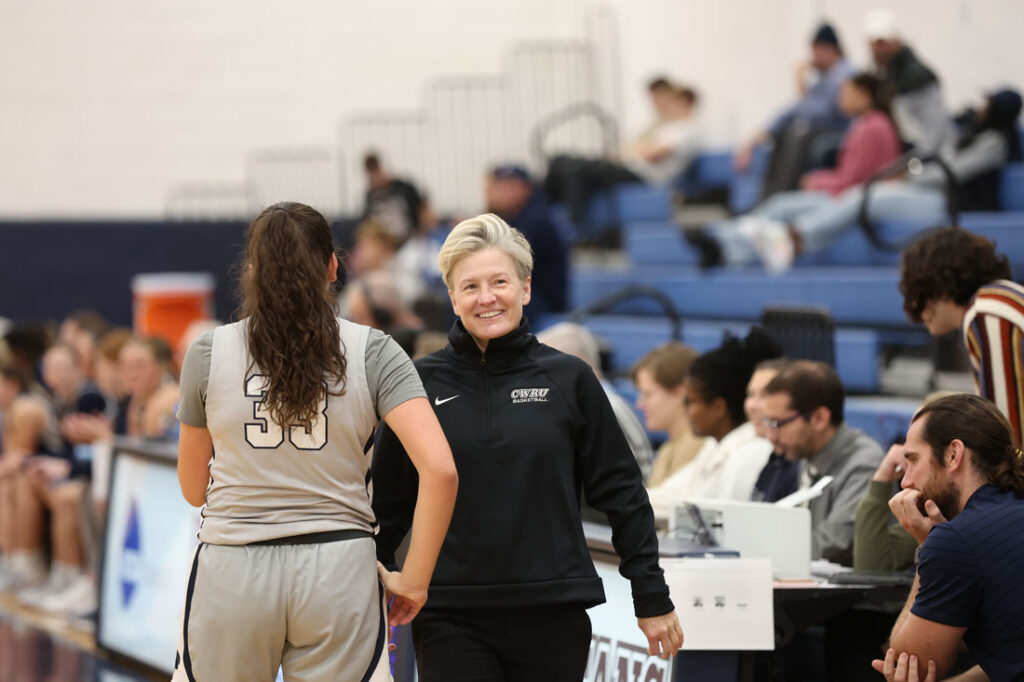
954	279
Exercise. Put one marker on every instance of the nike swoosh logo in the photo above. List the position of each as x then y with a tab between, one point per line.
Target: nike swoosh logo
438	401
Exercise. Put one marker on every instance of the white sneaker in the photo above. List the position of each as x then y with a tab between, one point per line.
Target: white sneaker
772	241
24	570
77	599
59	578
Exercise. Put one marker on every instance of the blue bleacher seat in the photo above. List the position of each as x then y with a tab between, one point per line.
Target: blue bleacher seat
660	243
631	337
866	296
709	172
1011	190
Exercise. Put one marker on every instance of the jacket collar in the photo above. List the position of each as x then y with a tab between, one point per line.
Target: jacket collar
501	352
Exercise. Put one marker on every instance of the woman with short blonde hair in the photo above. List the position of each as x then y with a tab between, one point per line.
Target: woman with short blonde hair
532	431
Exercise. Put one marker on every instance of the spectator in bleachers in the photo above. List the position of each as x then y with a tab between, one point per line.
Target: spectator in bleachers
869	145
780	476
917	100
728	465
664	151
658	157
921	198
815	115
393	201
660	380
962	501
513	196
803	410
577	340
952	279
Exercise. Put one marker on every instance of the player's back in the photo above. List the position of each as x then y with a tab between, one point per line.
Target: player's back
271	482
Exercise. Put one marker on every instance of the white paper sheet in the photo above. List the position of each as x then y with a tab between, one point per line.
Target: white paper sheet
723	603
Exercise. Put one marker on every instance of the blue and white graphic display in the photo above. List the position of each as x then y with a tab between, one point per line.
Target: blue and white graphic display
150	540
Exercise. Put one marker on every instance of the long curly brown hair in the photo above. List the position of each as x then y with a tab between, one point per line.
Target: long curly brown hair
293	334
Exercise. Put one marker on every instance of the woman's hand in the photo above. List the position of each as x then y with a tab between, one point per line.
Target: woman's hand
403	602
664	634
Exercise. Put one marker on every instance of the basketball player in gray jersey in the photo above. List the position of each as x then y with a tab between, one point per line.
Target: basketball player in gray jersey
276	413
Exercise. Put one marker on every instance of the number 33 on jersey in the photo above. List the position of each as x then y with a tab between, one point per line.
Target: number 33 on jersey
265	434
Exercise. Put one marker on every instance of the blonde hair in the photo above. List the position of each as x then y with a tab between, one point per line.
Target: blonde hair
486	231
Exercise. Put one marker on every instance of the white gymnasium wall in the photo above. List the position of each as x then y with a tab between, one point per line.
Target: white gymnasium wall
107	105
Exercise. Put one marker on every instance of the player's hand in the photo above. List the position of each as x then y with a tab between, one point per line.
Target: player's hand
893	465
902	668
905	505
403	602
664	634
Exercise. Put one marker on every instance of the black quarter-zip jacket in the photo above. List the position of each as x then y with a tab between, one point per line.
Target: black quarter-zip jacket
529	427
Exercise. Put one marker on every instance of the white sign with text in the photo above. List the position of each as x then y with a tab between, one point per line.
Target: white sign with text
723	604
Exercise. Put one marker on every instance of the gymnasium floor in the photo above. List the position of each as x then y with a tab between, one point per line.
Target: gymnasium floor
35	647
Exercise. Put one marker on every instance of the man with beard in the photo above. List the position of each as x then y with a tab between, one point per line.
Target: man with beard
963	464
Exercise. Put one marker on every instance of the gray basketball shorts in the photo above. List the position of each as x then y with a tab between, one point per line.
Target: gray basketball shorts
315	610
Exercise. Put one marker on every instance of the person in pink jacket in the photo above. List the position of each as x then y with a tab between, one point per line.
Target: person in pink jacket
870	143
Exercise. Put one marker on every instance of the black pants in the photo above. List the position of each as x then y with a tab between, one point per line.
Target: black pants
531	644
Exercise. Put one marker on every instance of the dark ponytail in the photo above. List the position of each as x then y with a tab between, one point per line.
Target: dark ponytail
293	335
983	430
725	371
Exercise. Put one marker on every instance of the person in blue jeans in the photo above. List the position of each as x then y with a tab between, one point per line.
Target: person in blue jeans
807	222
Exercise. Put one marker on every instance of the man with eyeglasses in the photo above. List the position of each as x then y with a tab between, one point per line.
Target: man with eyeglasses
803	412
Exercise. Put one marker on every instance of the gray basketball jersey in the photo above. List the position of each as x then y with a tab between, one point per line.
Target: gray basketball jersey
273	480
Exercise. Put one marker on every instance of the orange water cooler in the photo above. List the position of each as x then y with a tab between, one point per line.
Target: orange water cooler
166	303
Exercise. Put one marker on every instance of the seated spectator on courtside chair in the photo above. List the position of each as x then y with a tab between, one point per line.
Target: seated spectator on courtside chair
729	463
577	340
815	114
880	543
660	380
803	410
962	502
780	476
21	563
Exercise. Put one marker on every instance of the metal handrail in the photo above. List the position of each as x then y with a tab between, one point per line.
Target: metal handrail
544	127
606	303
913	164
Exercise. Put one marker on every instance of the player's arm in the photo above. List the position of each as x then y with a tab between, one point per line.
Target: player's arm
926	639
195	448
416	426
